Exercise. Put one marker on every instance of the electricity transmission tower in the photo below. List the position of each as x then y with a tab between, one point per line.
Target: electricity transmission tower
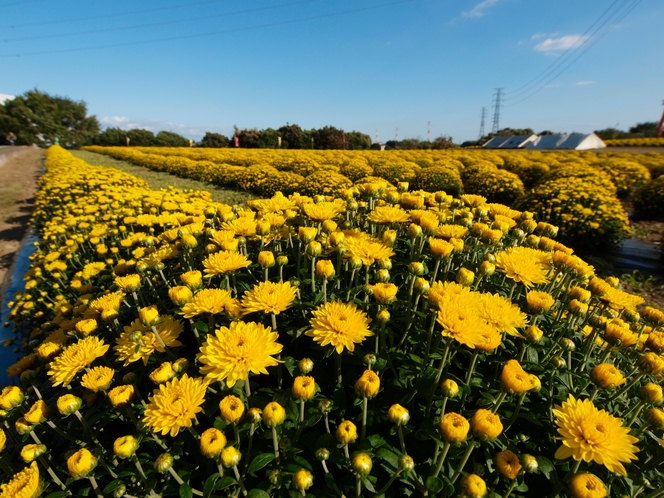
482	123
496	110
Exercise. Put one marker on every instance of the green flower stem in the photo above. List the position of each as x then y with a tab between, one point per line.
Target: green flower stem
324	294
516	411
499	401
179	480
41	459
511	488
638	340
266	274
161	342
401	440
239	480
627	387
346	453
95	486
252	428
388	484
275	443
429	336
236	431
365	409
337	361
637	410
464	460
313	275
569	368
301	411
443	361
358	486
138	465
435	271
327	424
441	460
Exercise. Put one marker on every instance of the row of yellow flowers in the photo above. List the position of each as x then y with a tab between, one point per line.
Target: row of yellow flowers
382	342
636	142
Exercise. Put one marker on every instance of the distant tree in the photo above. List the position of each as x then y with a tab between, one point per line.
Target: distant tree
329	137
358	141
268	139
443	142
216	140
648	129
505	132
139	137
293	137
610	134
39	118
470	143
111	137
170	139
249	139
549	132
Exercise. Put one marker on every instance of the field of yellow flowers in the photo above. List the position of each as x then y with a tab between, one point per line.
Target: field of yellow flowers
636	142
579	192
374	341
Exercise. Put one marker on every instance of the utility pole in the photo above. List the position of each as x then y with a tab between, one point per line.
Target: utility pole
482	123
396	135
376	135
429	132
496	110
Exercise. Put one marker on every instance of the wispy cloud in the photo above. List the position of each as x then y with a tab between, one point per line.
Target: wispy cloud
4	97
537	36
154	126
561	43
479	9
584	83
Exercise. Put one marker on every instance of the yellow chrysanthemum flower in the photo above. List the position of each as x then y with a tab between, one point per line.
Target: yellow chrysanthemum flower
340	324
389	214
322	211
587	486
502	314
211	301
75	358
175	404
367	249
459	316
98	378
223	262
138	341
508	464
235	351
590	434
269	297
25	484
525	265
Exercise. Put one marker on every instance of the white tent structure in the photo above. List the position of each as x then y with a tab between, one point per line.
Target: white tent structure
573	141
510	142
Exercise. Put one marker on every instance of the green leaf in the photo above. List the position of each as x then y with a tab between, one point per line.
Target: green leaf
210	482
111	486
185	491
224	482
368	484
260	461
532	355
257	493
202	326
434	484
545	466
388	456
302	462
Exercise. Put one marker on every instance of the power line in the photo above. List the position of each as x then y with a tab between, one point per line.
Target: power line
588	47
106	16
482	123
559	60
210	33
163	23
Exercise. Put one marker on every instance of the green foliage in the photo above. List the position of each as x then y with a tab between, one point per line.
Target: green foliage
216	140
111	137
170	139
39	118
649	200
139	137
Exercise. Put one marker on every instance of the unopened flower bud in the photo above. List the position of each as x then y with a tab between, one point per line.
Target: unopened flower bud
422	286
567	344
120	491
558	362
383	316
487	269
325	269
449	388
274	414
534	334
414	231
230	456
384	264
416	268
31	451
406	463
362	464
389	237
529	463
266	259
305	365
398	415
314	249
383	276
303	479
180	365
325	406
322	454
125	446
274	476
68	404
465	277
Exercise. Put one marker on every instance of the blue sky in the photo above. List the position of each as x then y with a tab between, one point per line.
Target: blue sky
368	65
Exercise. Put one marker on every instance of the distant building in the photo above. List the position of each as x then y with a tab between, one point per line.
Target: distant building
571	141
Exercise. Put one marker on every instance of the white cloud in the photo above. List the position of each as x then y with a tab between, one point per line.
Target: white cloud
154	126
478	10
562	43
537	36
584	83
4	97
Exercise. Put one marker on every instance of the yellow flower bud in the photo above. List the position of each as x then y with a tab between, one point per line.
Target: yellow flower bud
307	234
38	413
454	428
514	380
31	451
587	486
212	442
486	426
266	259
86	327
163	463
125	446
305	365
304	388
274	414
11	397
180	365
346	432
192	279
325	268
607	376
230	456
473	486
231	408
68	404
368	384
303	479
314	249
163	373
180	295
465	277
652	393
508	464
148	315
81	463
398	415
385	293
389	237
22	427
487	269
414	231
383	316
534	334
254	415
450	388
362	464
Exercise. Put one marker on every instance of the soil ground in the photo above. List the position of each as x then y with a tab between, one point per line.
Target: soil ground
20	168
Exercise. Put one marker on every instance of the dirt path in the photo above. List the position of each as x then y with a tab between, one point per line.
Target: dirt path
20	168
